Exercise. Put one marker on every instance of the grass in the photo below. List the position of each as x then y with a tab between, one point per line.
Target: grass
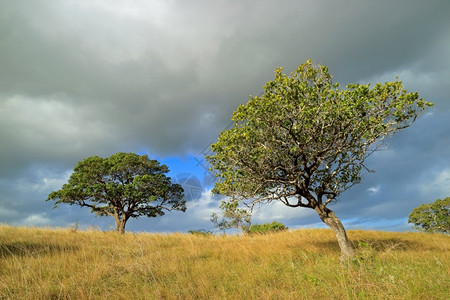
38	263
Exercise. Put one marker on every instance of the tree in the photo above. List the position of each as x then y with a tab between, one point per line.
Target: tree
231	217
123	186
432	217
305	141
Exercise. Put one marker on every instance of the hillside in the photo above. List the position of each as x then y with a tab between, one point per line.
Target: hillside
38	263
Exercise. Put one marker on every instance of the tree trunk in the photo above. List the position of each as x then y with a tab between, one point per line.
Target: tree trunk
120	223
329	218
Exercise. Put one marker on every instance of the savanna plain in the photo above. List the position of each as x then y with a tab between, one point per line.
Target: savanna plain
49	263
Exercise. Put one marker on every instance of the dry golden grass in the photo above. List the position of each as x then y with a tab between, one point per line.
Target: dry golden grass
302	264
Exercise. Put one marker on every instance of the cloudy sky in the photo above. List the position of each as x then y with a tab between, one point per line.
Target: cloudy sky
162	77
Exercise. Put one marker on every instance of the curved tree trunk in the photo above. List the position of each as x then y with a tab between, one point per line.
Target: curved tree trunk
329	218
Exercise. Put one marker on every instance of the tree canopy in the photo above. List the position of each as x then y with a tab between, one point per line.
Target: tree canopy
432	217
305	140
125	185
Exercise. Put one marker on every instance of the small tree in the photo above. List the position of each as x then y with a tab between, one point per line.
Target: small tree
305	141
432	217
231	217
123	186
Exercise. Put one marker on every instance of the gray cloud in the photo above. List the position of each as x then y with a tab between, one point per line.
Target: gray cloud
79	78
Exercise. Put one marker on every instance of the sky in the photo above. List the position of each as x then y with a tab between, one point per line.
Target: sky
162	78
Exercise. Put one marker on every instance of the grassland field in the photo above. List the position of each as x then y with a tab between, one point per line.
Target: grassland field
46	263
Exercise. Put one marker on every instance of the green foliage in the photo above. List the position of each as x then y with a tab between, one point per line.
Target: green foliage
312	279
124	186
231	217
201	232
432	217
365	254
307	138
267	227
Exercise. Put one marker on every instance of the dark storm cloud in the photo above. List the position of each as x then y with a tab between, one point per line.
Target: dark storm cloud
79	78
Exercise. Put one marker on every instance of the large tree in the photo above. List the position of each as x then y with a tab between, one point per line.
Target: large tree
432	217
305	141
125	185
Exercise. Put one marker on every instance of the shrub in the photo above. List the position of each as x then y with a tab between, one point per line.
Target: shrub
201	232
267	227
